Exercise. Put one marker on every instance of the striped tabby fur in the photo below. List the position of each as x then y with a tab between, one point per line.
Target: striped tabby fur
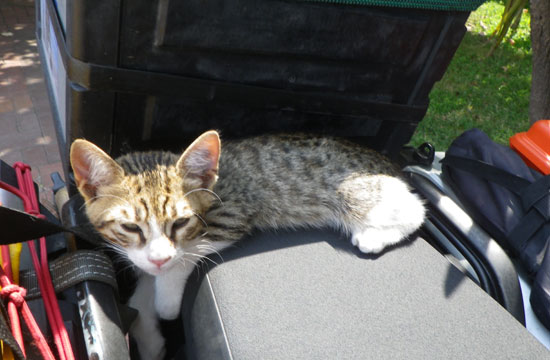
165	212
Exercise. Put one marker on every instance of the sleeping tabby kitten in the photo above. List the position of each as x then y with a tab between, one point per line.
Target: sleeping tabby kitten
167	212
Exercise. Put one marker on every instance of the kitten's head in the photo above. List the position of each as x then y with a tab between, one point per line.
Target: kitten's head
149	205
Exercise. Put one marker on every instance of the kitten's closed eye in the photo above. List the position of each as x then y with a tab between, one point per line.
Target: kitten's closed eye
131	227
179	223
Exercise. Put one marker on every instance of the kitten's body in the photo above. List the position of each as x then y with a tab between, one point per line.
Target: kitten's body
268	182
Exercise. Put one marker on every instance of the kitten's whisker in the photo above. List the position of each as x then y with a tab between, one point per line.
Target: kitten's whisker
185	175
204	257
205	243
128	266
194	254
119	253
114	247
118	248
104	211
200	218
207	190
209	249
205	247
185	261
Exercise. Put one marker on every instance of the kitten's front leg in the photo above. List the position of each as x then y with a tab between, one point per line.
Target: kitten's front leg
169	288
145	329
397	215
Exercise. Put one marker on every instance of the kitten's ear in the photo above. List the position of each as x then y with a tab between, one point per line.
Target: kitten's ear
92	168
200	159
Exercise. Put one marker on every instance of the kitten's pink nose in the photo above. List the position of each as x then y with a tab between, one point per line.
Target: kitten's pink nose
159	262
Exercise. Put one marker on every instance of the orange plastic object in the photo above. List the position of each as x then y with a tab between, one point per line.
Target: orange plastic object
534	146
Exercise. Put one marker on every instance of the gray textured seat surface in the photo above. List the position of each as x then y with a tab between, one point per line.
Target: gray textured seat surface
310	295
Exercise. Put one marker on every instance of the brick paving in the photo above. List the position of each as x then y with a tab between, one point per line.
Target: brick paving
27	131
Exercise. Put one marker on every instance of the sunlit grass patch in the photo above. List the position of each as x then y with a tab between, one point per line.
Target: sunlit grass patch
490	93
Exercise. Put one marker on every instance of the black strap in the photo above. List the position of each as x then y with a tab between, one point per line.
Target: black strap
488	172
536	195
71	269
536	199
18	226
525	229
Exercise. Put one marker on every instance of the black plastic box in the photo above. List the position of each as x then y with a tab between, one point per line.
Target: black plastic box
155	74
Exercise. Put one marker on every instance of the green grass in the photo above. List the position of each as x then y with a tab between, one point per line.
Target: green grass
490	93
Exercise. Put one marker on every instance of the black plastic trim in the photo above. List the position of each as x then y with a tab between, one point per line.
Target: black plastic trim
497	274
206	315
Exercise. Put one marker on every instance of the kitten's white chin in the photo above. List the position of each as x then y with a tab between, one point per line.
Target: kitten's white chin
155	271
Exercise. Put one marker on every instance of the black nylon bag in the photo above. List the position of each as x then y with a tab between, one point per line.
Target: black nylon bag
507	198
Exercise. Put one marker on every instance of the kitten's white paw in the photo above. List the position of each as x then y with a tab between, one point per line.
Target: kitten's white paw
373	241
